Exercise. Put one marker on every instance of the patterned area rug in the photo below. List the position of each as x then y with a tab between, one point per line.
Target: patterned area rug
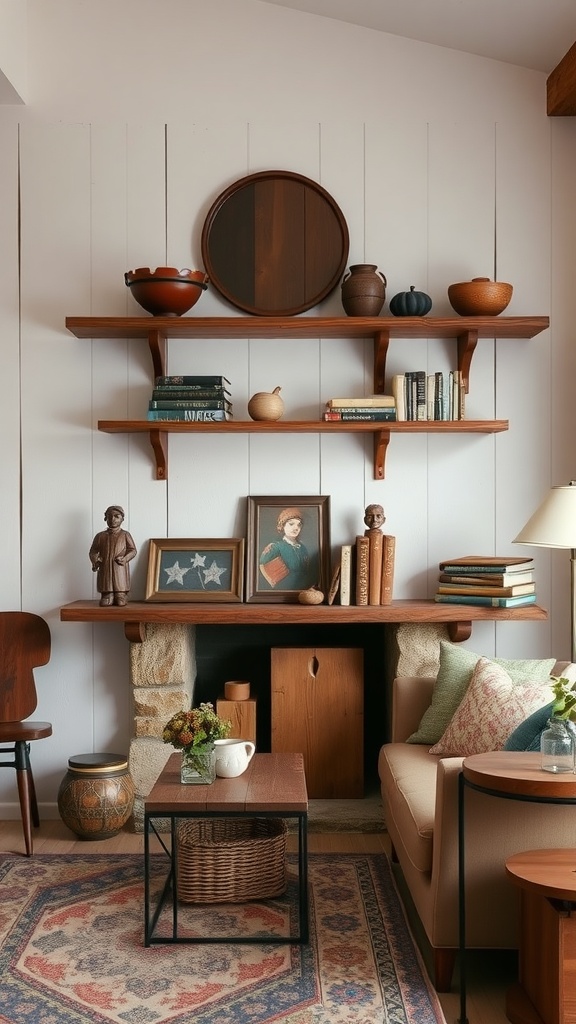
71	934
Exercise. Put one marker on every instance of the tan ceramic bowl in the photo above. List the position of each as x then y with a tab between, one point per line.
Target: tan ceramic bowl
166	291
479	297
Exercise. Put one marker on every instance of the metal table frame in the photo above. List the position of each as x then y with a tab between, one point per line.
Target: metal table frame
273	786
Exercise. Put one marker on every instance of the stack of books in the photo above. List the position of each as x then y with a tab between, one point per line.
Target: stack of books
196	398
496	582
364	573
372	408
429	396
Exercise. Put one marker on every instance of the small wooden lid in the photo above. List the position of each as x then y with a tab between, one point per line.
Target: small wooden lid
236	690
96	763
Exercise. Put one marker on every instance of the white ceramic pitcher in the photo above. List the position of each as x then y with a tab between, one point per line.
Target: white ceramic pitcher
233	757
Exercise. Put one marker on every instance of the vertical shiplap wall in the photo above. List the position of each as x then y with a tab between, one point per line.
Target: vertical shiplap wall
455	190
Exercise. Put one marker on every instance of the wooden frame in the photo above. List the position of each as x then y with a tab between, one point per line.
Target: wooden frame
268	577
195	570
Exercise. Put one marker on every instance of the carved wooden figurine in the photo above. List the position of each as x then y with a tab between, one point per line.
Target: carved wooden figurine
374	518
110	553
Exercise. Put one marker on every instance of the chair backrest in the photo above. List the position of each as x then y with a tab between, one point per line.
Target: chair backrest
24	645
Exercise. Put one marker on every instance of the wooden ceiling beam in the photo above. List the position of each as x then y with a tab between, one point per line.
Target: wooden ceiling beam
561	87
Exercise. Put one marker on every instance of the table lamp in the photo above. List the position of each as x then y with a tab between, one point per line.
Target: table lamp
553	525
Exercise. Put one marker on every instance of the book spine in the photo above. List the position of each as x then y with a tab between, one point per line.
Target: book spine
192	380
178	403
430	396
388	559
376	539
369	402
193	393
362	570
470	589
398	392
190	415
491	602
453	568
421	413
439	396
410	395
359	415
491	580
345	574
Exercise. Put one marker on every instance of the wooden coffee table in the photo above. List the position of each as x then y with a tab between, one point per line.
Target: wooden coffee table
273	786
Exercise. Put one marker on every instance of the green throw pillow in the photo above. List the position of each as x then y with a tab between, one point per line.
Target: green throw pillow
455	672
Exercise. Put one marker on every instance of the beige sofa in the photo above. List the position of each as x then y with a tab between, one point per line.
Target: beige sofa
420	800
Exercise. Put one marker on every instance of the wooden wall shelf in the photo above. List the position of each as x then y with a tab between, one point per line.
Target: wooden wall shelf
137	614
157	330
159	434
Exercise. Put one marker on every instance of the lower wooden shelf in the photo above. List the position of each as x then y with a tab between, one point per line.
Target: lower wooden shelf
136	614
158	432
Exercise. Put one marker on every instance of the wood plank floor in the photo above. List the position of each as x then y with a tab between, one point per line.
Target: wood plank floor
489	974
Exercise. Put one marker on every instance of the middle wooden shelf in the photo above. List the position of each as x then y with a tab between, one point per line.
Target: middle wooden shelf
158	432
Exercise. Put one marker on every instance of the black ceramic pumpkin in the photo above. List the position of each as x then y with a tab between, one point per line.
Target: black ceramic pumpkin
410	303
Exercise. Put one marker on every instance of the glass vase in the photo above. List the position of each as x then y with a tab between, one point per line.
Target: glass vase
557	746
198	766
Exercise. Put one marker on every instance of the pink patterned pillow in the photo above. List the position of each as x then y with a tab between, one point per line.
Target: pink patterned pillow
492	707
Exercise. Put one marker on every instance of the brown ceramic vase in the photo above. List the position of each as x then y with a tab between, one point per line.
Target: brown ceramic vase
96	796
363	290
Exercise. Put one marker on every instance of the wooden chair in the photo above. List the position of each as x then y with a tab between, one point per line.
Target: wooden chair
24	645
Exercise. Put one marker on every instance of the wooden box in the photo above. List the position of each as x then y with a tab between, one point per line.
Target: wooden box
242	714
317	709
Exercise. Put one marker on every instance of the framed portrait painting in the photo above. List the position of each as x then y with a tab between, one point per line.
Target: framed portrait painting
288	547
195	570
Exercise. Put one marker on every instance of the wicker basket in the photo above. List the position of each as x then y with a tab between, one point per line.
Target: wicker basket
231	860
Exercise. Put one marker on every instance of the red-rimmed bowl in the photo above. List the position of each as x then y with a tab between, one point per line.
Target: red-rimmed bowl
166	291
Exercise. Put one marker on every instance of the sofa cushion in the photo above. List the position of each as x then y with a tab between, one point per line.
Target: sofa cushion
408	779
455	671
492	707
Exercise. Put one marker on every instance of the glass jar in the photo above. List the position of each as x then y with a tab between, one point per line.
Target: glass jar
198	765
557	746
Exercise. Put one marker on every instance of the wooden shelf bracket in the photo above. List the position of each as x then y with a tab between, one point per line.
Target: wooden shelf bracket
466	344
159	442
381	441
381	343
158	349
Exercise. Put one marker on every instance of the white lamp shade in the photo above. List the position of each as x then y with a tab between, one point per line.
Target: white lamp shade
553	524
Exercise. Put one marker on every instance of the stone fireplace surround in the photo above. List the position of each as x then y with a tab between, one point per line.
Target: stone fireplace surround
163	673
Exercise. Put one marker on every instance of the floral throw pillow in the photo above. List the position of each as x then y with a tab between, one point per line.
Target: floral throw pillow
492	707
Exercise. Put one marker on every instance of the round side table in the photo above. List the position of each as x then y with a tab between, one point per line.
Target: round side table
510	775
546	990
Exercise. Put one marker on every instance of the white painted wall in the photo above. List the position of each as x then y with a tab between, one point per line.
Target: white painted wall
13	51
446	167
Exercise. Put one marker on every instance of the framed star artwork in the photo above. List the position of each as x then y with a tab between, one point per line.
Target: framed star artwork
195	570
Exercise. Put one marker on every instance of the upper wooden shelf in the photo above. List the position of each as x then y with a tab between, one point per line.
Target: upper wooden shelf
157	330
136	614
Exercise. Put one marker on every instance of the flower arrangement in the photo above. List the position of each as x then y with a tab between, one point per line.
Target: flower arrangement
564	699
198	727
